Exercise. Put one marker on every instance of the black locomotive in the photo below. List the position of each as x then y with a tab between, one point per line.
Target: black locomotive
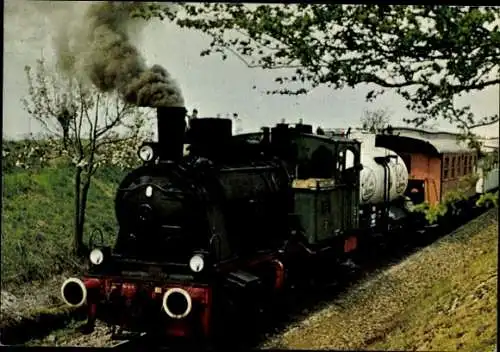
234	216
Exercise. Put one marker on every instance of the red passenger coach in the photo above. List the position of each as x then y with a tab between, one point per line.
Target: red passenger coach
436	161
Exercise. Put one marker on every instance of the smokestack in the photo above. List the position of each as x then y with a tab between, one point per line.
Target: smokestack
171	131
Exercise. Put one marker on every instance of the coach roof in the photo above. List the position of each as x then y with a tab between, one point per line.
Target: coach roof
423	141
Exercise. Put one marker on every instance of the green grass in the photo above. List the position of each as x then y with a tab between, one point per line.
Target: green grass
37	219
458	312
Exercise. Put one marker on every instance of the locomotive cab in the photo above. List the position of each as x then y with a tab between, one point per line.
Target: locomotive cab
325	186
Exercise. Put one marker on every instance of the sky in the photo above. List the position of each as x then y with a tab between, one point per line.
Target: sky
209	84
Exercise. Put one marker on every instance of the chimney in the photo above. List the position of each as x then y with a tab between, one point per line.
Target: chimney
171	130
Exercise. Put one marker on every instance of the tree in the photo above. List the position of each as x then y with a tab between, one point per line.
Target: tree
376	120
83	124
429	55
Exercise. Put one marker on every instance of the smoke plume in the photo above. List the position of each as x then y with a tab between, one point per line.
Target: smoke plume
100	48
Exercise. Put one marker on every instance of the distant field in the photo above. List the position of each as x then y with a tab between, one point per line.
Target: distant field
37	219
442	298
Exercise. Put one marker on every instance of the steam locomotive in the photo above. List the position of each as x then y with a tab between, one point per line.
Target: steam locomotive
235	219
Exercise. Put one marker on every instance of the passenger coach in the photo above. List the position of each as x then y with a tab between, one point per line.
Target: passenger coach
436	161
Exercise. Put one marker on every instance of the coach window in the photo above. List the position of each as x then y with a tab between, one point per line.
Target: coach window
452	167
446	165
466	164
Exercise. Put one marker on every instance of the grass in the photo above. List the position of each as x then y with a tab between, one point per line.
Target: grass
37	220
442	298
457	311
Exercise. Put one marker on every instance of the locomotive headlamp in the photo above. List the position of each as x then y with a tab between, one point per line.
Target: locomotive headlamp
197	263
96	256
146	153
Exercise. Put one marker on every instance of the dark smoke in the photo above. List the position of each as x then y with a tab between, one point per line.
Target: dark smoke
102	50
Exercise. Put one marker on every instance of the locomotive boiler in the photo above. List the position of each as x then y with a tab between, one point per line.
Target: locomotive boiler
200	201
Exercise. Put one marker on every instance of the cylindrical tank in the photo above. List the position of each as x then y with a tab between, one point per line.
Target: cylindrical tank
373	178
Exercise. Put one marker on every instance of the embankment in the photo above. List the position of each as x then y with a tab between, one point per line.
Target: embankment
443	297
